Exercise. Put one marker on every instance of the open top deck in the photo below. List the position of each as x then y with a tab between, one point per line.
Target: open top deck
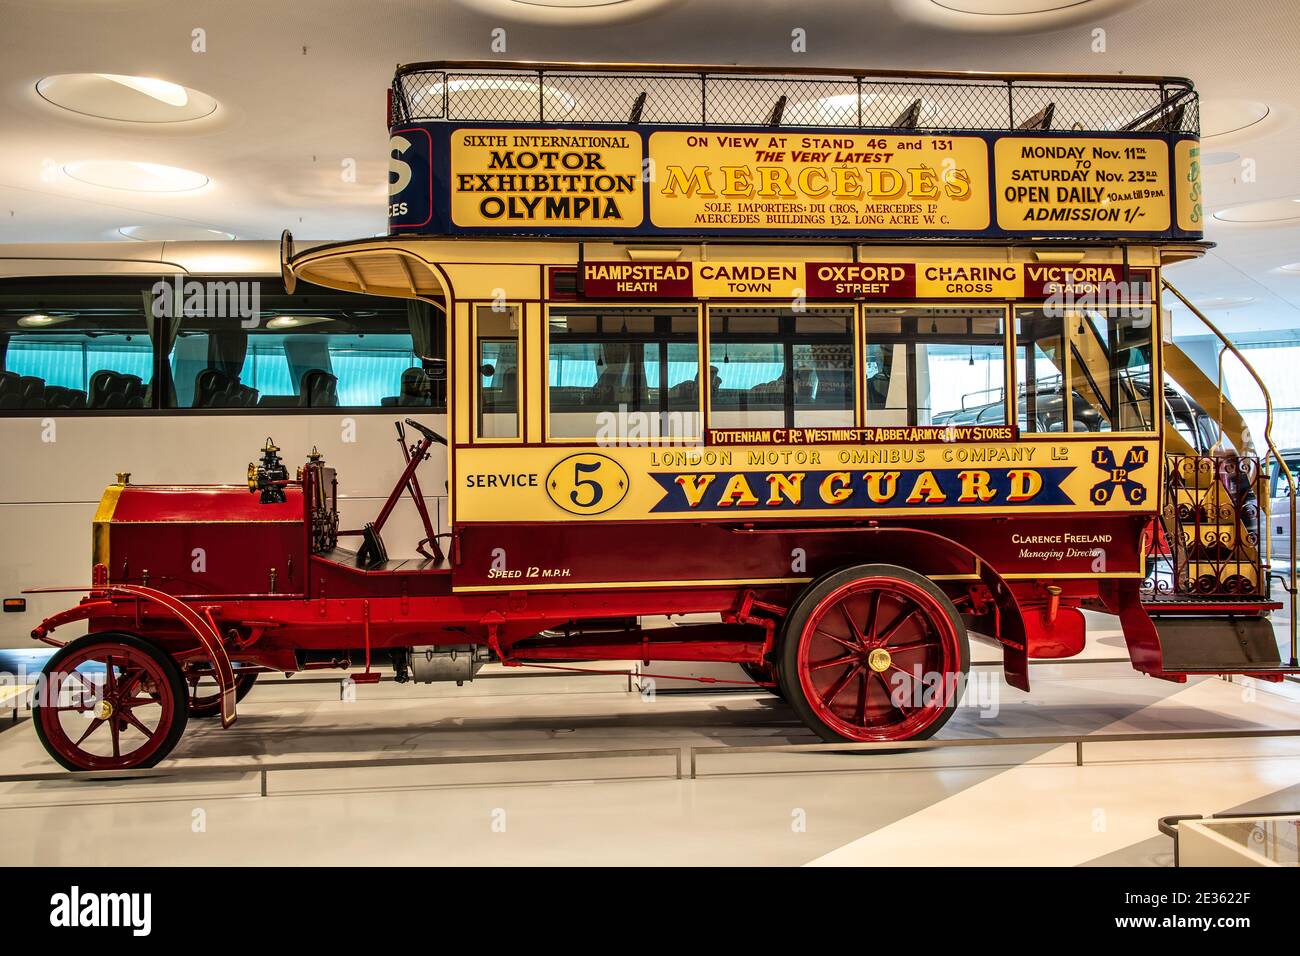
537	150
731	96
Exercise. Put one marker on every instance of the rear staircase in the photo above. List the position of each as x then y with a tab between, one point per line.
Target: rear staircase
1206	604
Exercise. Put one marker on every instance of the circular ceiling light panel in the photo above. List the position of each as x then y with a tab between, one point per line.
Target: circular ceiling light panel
570	11
1267	212
126	99
1221	117
170	233
1006	16
1291	268
1222	302
135	177
494	98
1219	158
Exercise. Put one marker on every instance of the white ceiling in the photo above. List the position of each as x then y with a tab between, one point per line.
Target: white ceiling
301	91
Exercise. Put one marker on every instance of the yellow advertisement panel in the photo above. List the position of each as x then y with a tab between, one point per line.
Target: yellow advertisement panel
1082	185
536	178
774	481
831	181
1187	184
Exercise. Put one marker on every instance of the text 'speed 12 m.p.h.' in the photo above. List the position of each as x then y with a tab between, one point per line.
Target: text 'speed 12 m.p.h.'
844	366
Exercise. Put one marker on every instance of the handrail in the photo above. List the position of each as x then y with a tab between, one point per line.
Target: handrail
724	95
725	69
1268	440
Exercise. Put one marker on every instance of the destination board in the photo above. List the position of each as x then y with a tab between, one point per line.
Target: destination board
1099	282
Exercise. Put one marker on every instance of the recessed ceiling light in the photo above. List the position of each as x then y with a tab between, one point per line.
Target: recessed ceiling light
40	320
172	233
1223	117
1006	15
1291	268
135	176
161	90
1267	212
1218	159
295	321
570	11
1221	302
127	99
493	98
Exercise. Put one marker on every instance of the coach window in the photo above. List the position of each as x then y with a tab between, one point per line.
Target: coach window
1106	354
496	331
314	350
776	367
935	365
75	344
1110	367
623	372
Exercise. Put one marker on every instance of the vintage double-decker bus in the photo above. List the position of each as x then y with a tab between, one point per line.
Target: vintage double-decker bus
846	366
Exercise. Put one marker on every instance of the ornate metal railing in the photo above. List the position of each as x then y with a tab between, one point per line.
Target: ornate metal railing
1210	524
658	95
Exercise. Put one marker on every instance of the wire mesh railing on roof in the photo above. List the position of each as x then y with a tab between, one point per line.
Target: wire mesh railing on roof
680	98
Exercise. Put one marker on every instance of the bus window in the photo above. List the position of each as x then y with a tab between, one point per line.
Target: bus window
1110	367
773	367
315	350
73	344
497	356
1108	352
1040	379
622	372
935	365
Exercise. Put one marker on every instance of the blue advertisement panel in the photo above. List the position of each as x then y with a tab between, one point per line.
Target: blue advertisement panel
449	179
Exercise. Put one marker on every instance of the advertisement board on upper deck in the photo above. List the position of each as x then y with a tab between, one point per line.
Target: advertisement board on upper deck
450	179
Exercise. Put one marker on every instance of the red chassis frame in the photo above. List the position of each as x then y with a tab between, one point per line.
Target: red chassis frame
338	612
277	594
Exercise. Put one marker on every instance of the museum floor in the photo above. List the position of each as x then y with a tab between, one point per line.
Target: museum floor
1007	805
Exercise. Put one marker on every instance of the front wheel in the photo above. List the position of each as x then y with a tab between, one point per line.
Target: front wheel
110	701
205	701
873	653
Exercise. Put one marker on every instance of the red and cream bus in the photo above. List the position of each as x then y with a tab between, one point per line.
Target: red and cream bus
855	364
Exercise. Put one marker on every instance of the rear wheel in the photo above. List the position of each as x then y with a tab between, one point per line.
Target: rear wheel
110	702
874	653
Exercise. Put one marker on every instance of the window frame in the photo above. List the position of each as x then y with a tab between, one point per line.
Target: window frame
913	409
788	343
569	305
138	283
1157	407
476	307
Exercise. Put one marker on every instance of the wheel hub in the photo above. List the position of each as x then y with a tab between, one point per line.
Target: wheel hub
879	660
104	709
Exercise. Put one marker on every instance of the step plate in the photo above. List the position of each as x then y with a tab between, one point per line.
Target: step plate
1216	644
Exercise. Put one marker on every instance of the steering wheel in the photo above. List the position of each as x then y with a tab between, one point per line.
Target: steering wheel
428	433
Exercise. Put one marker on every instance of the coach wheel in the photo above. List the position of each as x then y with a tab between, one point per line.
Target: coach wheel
764	674
205	702
874	652
110	702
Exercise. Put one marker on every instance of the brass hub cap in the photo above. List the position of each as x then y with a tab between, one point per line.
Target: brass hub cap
879	660
104	710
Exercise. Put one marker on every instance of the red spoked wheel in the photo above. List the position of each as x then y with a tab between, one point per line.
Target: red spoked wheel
874	653
110	702
203	699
